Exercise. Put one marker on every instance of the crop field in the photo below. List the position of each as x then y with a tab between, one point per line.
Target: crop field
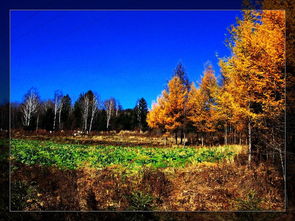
73	156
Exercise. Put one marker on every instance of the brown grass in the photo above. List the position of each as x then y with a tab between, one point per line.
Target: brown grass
206	187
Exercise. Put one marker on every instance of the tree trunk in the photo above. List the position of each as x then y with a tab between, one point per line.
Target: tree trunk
91	120
184	139
90	125
249	143
59	118
181	136
85	123
37	122
176	137
225	134
54	119
202	140
107	124
240	138
282	165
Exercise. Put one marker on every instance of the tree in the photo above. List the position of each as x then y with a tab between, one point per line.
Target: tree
141	113
66	111
16	115
202	103
288	6
170	109
110	106
29	106
174	110
94	107
255	71
180	72
48	117
196	109
39	111
85	108
227	112
118	108
126	120
155	117
57	107
77	113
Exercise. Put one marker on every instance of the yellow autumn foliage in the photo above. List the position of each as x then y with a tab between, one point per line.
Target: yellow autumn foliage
201	103
254	74
168	112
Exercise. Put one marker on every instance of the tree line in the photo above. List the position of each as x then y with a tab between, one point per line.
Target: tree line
88	113
249	102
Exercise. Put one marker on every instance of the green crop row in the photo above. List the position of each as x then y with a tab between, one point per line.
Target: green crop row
73	156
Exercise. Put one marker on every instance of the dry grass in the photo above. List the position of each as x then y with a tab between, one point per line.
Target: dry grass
203	187
123	138
213	187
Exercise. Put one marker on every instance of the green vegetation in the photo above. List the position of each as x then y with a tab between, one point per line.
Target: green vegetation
73	156
140	201
251	203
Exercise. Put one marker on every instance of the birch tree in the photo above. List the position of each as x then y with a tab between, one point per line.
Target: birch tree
29	106
85	109
57	107
94	108
117	108
110	105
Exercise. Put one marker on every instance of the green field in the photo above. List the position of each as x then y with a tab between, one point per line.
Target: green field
73	156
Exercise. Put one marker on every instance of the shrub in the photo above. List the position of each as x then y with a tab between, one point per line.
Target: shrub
251	203
140	201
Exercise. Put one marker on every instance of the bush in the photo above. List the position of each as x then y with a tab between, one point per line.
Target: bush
251	203
140	201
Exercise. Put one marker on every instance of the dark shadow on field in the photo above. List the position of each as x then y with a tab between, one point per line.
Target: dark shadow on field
85	189
204	188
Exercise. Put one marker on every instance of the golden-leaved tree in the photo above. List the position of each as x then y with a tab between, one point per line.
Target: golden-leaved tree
169	111
196	110
155	117
289	7
201	104
254	74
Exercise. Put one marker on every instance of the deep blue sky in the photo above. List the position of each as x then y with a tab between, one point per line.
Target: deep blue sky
121	54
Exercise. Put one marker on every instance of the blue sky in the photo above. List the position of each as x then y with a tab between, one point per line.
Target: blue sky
121	54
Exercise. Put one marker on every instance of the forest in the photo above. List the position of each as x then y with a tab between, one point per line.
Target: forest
247	104
183	154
